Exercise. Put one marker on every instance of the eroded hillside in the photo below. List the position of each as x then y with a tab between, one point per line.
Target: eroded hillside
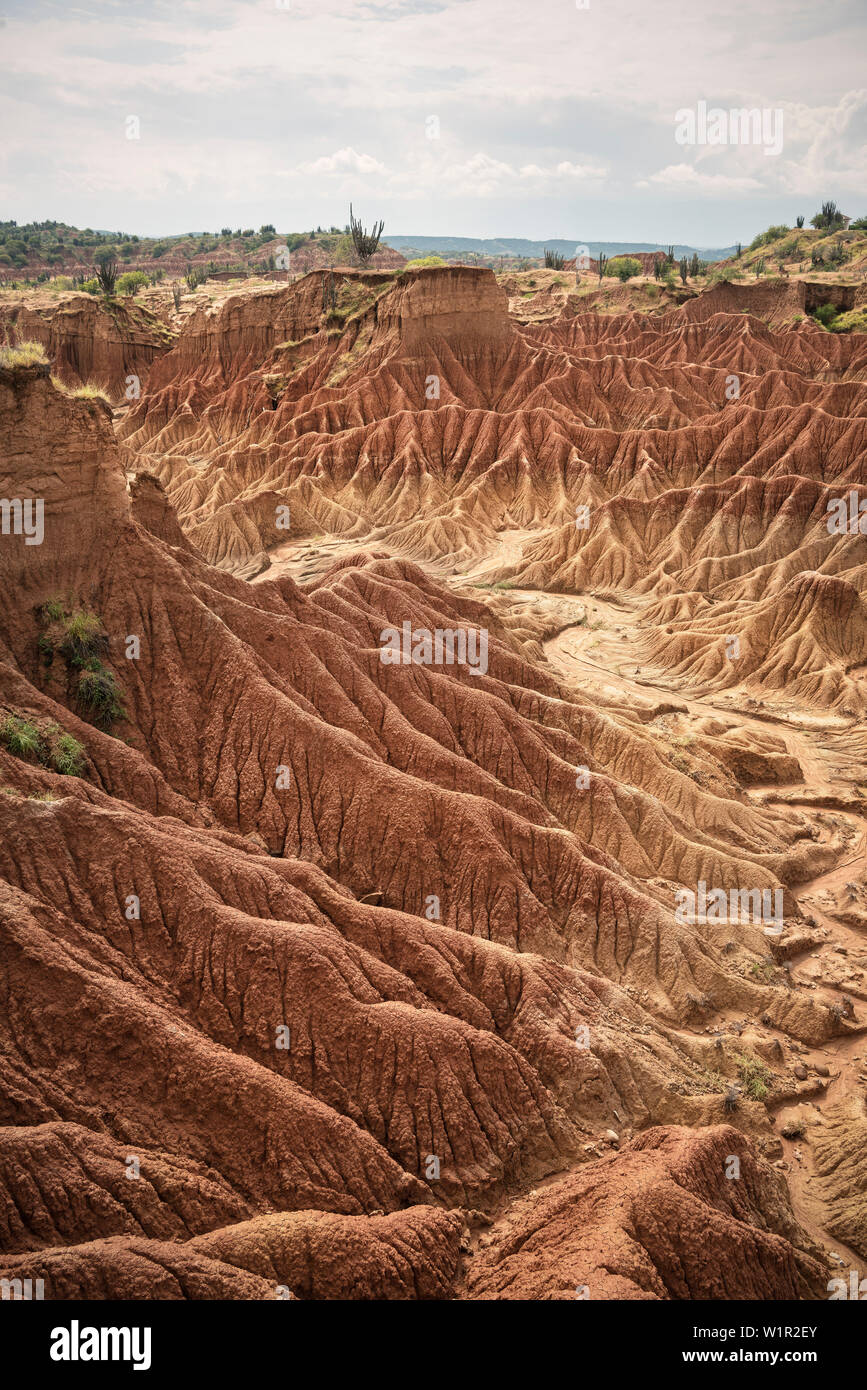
333	975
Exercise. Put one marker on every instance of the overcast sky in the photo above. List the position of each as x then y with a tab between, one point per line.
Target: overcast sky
470	117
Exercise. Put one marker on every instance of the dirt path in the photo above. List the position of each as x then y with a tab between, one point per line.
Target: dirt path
598	654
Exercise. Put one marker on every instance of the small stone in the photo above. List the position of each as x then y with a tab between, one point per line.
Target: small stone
801	1072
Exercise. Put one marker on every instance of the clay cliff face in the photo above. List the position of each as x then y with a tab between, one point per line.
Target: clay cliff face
343	955
88	341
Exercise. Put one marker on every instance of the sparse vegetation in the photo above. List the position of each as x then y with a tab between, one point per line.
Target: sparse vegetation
553	260
754	1075
762	970
90	392
765	238
66	754
825	315
51	747
106	277
132	281
27	354
828	218
793	1129
79	637
364	242
854	321
21	738
99	694
83	637
623	267
195	276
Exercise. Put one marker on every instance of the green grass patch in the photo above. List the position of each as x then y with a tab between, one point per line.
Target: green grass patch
762	970
65	754
853	321
51	747
22	738
755	1076
81	638
99	694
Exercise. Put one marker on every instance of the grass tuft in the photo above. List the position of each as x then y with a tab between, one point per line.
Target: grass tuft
755	1076
23	355
99	694
90	392
22	738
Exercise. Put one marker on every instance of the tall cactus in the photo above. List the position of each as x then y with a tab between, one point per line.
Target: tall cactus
365	242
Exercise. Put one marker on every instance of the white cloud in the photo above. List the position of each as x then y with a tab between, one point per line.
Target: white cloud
686	178
549	123
344	161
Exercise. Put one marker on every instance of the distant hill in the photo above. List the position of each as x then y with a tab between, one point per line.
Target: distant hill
451	247
39	251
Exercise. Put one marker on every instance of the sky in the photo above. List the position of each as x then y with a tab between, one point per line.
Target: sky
526	118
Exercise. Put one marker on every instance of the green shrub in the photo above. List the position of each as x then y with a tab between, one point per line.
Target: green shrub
83	637
99	694
765	238
131	282
829	219
624	267
855	321
90	286
22	738
67	755
825	315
